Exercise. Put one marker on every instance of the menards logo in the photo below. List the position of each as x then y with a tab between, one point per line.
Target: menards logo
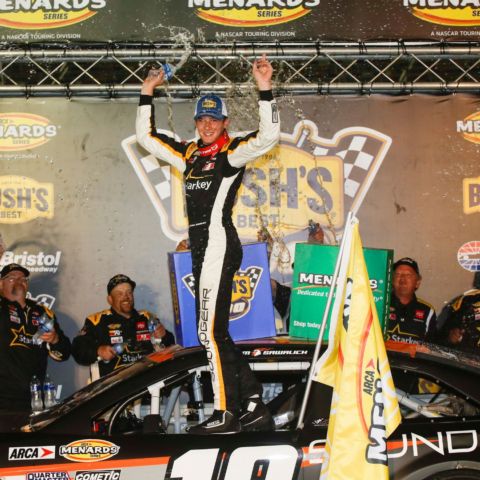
23	131
251	13
90	450
43	14
470	127
457	13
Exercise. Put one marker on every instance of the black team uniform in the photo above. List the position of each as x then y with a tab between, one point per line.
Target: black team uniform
109	328
212	177
20	357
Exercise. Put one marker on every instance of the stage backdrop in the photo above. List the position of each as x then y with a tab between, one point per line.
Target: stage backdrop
80	201
237	20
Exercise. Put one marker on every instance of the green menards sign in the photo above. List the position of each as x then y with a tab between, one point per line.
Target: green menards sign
312	278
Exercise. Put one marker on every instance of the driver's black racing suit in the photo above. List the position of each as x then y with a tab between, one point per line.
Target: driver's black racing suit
211	183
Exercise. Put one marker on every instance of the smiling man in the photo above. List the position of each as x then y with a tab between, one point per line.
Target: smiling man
213	168
21	354
412	320
121	334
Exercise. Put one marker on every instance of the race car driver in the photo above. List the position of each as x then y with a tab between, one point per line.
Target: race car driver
213	168
412	320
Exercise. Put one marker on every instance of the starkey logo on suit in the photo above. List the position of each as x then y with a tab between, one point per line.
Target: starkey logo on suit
249	13
44	14
456	13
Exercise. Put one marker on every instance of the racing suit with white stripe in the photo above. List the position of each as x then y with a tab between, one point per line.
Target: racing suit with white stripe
212	179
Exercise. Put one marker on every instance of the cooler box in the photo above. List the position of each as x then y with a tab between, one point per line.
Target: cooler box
312	276
251	312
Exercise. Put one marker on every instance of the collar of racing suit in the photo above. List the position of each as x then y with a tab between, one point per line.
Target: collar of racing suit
215	147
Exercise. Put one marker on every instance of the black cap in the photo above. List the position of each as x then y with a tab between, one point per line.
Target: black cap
410	262
12	267
117	280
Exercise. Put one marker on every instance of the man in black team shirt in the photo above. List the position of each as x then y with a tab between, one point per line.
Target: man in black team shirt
412	320
213	168
21	354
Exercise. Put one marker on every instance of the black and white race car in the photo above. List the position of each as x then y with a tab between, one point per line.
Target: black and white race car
131	424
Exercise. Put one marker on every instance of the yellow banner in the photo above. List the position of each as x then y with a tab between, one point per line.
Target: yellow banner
364	410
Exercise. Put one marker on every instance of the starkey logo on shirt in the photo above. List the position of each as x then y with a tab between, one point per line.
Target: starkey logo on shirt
44	14
456	13
24	131
251	13
243	289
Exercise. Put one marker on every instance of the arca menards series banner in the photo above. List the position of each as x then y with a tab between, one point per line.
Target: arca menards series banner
237	20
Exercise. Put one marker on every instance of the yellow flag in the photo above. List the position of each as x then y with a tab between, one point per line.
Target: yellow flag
364	410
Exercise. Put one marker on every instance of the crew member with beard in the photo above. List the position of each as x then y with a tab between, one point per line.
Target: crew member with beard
21	355
119	335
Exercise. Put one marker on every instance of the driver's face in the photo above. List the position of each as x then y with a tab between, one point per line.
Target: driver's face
210	129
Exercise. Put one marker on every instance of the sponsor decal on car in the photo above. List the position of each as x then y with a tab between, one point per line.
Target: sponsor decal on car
48	476
98	475
89	450
31	453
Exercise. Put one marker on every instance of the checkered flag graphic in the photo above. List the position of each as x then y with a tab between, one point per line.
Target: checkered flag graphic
254	274
189	281
361	155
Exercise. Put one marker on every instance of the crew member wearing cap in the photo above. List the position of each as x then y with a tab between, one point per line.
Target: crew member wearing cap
119	335
20	356
412	320
213	167
459	321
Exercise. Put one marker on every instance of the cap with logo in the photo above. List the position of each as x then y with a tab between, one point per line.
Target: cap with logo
410	262
12	267
117	280
211	105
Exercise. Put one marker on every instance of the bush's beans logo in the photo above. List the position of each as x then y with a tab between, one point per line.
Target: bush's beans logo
91	450
471	195
469	256
35	262
43	14
470	127
459	13
243	290
24	131
251	13
23	199
305	176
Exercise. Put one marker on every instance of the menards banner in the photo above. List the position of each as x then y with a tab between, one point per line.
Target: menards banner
80	201
237	20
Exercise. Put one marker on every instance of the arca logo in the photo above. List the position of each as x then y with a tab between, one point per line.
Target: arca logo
31	453
251	13
456	13
24	131
43	14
